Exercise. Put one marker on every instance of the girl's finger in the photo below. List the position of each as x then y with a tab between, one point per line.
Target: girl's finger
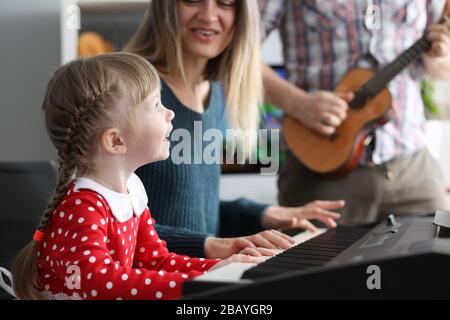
251	252
268	252
285	236
249	259
277	239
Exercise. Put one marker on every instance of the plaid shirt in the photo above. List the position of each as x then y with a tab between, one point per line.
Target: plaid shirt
323	39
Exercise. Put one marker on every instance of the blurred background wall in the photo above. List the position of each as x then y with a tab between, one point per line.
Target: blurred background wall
29	53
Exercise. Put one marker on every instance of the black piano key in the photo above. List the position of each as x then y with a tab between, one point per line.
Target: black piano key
325	247
288	260
314	255
311	252
333	242
267	272
313	248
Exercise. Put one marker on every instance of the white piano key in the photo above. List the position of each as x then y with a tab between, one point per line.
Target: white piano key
307	235
230	273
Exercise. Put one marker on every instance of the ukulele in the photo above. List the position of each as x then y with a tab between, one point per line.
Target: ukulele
338	154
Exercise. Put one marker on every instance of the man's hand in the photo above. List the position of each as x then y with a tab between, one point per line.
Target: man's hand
439	35
255	245
298	217
437	59
322	111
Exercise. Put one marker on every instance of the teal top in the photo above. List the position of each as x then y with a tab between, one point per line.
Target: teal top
184	198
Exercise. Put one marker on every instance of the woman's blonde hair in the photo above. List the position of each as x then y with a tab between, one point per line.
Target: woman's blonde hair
158	39
83	98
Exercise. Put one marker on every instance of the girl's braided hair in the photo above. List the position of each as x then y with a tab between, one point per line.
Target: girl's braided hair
83	98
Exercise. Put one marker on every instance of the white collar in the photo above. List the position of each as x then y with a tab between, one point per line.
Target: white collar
122	205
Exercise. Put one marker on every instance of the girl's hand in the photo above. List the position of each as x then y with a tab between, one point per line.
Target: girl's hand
256	244
237	258
284	217
260	252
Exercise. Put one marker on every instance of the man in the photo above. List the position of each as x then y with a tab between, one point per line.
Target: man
322	40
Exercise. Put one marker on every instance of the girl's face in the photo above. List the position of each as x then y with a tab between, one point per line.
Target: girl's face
149	141
206	26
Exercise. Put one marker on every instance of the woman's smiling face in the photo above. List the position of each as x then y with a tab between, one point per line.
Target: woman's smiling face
206	26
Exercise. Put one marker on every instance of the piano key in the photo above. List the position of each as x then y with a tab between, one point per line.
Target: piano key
287	260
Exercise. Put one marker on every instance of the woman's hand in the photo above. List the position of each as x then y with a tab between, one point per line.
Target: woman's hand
284	217
255	245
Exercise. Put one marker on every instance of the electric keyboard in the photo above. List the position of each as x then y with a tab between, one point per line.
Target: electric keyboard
400	258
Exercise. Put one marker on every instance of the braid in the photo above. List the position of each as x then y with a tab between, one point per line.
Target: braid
74	147
81	98
65	175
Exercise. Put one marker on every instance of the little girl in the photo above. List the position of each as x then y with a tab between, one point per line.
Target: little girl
96	238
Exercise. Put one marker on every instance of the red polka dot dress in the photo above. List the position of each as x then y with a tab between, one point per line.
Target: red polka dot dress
101	244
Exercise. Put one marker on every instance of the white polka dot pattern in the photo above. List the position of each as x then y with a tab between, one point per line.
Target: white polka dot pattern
117	260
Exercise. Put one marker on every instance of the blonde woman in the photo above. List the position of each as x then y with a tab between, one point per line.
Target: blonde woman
194	45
